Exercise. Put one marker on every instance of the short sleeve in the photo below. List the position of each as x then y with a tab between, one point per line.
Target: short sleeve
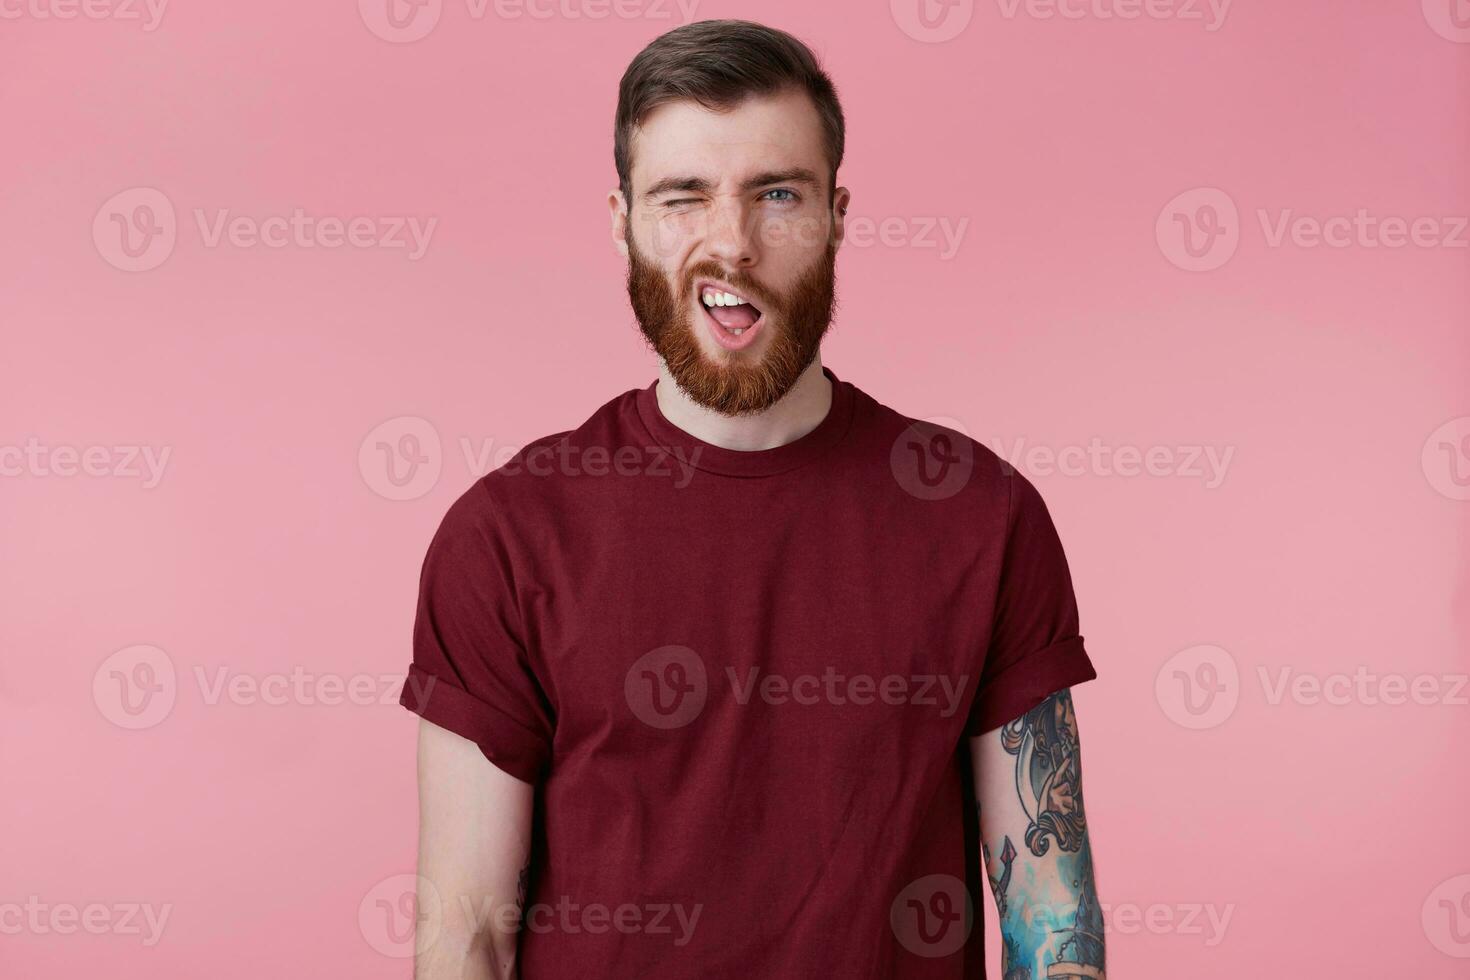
470	672
1035	648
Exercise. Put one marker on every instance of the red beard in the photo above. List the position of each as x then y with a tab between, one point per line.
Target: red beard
734	382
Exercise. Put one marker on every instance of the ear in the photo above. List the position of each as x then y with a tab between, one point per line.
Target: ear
618	208
841	198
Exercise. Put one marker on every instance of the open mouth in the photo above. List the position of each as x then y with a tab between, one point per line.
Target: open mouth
733	320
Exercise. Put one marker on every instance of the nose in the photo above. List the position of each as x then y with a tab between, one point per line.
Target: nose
731	238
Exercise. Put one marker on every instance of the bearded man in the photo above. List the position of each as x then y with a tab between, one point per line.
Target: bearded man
762	713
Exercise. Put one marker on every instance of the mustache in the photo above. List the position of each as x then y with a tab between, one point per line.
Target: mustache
749	287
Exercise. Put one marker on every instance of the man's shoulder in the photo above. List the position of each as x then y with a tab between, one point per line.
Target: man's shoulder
536	470
935	457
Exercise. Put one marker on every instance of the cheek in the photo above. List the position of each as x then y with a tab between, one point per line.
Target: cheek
670	237
795	233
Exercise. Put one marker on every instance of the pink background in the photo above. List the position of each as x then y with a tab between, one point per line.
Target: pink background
1331	834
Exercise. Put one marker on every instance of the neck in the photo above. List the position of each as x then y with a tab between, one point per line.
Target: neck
798	412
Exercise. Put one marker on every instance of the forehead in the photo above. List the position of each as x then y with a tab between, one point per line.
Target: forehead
761	133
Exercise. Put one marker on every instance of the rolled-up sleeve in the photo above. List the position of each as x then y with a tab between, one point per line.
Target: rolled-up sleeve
471	673
1035	645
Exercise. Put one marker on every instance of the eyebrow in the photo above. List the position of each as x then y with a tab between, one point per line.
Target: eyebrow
701	185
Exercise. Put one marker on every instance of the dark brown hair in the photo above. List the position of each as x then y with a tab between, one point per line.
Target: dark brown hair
718	63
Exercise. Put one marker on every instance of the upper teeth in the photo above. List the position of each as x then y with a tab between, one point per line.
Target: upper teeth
714	297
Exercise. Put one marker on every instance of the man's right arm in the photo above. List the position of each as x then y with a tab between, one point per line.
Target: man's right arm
474	848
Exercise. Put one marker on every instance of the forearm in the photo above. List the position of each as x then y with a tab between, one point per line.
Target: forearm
1038	854
1049	914
474	847
470	937
457	954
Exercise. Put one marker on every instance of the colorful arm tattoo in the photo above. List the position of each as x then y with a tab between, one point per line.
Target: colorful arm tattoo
1051	923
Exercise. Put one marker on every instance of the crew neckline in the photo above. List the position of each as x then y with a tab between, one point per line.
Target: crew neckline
758	462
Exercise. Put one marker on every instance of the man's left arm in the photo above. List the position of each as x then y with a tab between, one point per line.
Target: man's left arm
1038	856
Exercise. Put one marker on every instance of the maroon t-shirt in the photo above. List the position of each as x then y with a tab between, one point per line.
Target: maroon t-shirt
742	683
